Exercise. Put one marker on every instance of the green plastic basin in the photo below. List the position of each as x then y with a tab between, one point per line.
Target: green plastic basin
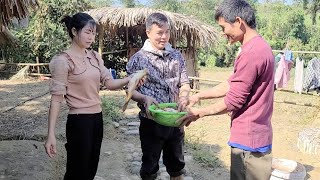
166	118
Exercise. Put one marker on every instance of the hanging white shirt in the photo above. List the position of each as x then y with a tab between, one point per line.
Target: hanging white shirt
298	76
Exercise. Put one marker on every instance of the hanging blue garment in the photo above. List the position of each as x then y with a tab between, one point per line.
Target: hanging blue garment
288	56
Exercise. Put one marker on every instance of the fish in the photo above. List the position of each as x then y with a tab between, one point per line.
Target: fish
132	85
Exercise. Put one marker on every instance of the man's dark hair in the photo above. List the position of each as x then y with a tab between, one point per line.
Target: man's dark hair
230	9
158	19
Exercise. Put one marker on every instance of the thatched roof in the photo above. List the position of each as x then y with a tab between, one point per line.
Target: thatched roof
6	37
9	10
186	28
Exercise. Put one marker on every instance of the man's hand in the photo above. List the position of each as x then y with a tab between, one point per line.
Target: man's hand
148	101
193	100
183	103
193	115
142	81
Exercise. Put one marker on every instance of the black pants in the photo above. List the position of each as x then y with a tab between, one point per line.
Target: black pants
84	137
156	138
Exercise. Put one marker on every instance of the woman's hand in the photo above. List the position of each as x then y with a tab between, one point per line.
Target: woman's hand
51	146
193	115
193	100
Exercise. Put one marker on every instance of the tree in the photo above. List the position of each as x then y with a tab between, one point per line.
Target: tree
128	3
313	8
203	10
101	3
169	5
45	35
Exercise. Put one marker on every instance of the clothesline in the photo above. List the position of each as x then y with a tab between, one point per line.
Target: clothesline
302	52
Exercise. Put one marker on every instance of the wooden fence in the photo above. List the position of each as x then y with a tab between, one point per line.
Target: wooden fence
36	69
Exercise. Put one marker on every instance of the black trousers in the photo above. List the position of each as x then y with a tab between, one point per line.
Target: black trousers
156	138
84	137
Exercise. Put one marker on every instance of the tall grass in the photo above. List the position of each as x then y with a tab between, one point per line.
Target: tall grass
111	109
203	153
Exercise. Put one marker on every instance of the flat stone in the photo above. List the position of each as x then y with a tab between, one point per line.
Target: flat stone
115	124
133	124
188	178
135	169
132	132
123	130
133	128
131	116
123	122
98	178
136	163
108	153
188	158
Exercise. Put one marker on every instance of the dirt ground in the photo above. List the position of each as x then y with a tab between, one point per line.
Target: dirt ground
23	130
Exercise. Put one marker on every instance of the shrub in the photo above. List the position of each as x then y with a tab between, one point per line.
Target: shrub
111	109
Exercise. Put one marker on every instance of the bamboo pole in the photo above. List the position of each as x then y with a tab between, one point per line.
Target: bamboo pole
27	64
302	52
38	67
116	51
100	40
38	74
203	79
127	42
295	103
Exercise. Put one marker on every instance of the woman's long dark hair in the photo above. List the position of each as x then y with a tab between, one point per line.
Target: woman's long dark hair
78	21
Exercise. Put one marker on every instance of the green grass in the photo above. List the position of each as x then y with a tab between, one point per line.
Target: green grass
111	108
203	153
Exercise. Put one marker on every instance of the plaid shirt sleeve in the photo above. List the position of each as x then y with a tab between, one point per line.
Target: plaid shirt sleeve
134	64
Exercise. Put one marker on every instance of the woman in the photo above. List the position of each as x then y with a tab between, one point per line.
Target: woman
76	76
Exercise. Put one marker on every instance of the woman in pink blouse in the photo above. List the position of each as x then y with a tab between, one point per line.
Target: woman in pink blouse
76	77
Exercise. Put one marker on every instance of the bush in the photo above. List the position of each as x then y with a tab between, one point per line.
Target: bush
111	109
201	152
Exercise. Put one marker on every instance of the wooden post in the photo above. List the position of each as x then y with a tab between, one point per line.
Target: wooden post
38	67
101	33
127	42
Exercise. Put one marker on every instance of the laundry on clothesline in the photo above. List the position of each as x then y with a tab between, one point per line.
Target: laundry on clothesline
312	75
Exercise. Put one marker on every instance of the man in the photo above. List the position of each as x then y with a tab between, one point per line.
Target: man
248	94
167	81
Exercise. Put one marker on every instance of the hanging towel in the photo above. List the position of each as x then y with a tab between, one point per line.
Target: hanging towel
288	55
298	76
282	75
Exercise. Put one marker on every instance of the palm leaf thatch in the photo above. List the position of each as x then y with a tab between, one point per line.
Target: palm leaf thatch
6	37
9	10
185	28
